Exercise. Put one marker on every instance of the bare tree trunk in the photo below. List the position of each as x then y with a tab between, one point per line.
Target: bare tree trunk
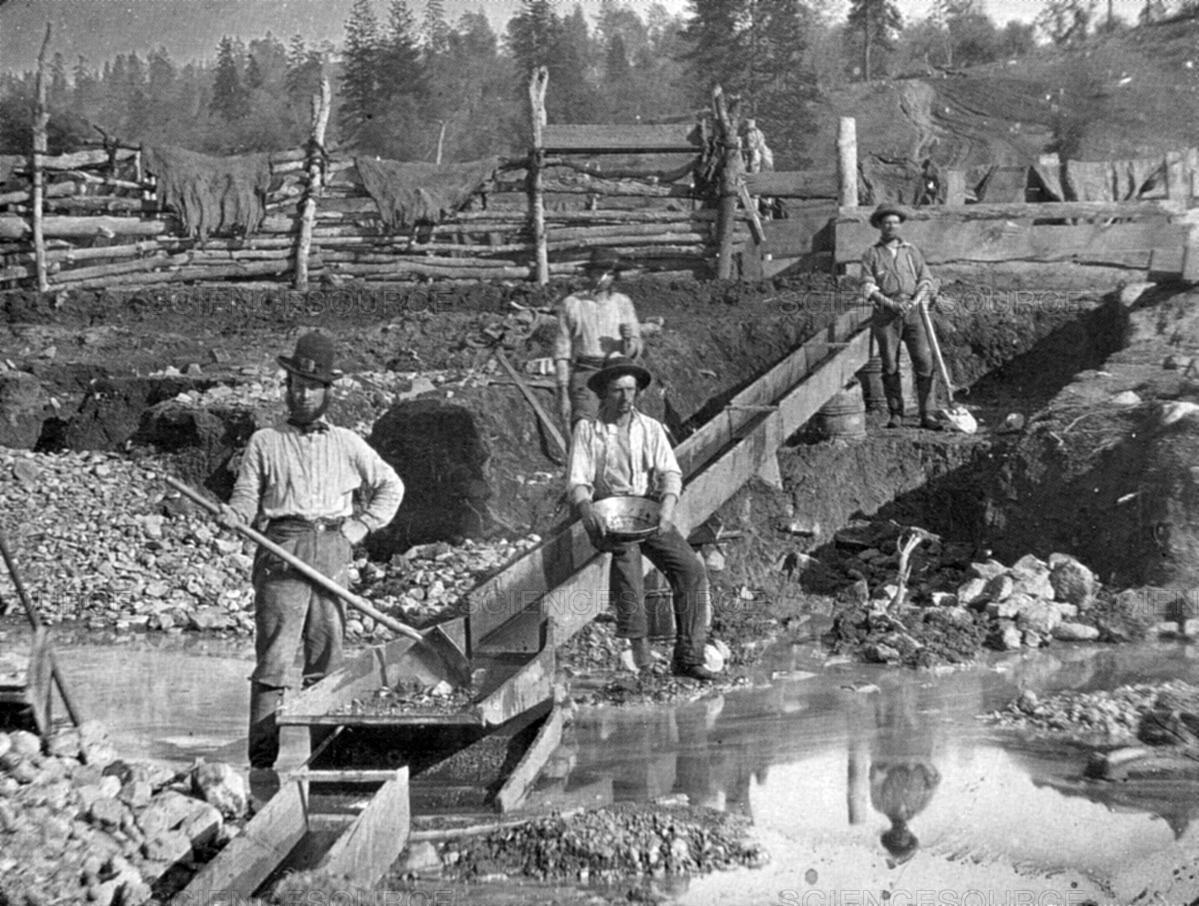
41	119
730	179
537	86
321	104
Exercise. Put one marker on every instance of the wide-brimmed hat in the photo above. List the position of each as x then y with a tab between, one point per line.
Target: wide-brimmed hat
603	260
886	209
618	366
313	358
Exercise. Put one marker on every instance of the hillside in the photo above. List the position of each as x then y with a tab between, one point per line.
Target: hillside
1131	95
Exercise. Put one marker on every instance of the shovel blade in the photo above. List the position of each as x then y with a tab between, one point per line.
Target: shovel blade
457	666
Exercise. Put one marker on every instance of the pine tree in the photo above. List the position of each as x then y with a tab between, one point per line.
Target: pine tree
58	88
532	34
875	23
400	71
230	99
716	45
359	90
436	31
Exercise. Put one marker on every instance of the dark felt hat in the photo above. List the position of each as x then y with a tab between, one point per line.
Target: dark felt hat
618	366
313	358
884	210
603	260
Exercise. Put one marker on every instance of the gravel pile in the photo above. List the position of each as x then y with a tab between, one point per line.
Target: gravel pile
105	832
99	540
1159	714
610	844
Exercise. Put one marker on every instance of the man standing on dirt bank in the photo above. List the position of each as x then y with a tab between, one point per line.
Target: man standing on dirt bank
300	476
592	325
897	281
624	452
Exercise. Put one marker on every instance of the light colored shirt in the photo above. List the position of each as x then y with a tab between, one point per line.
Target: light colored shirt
591	327
313	475
894	270
612	461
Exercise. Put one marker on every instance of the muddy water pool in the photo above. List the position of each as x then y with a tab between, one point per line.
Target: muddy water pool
862	783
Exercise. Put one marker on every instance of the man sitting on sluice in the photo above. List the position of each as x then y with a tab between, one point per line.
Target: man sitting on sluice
897	281
624	452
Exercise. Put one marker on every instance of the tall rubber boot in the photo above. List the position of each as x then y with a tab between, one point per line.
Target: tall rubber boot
893	390
926	401
264	731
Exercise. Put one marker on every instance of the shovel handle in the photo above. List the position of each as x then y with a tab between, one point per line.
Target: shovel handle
935	346
314	575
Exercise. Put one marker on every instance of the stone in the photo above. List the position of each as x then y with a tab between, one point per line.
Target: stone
1038	615
1066	611
419	856
166	812
26	471
204	825
944	599
1032	639
24	744
1075	632
973	592
107	812
988	569
1126	398
1005	609
207	618
64	743
5	744
1000	587
169	846
1131	292
1073	583
24	408
1031	576
219	784
1010	637
136	794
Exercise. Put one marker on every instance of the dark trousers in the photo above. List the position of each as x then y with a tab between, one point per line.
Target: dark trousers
288	609
670	553
890	330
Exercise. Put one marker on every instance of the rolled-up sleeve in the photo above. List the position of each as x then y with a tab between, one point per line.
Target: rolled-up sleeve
581	473
869	285
385	490
667	473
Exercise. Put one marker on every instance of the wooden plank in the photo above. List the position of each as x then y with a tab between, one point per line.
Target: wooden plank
516	787
564	138
1190	255
793	183
1050	210
951	239
241	867
955	188
797	235
91	158
370	846
528	687
39	681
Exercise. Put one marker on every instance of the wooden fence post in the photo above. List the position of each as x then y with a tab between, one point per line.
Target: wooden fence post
41	119
1178	181
315	167
731	166
847	162
537	86
955	187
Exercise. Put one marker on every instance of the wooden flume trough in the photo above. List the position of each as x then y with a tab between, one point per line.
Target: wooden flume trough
486	754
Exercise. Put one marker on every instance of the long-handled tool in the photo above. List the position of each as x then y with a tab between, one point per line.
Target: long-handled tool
440	644
42	656
956	414
558	451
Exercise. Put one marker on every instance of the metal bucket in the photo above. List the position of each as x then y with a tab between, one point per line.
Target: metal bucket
844	416
659	607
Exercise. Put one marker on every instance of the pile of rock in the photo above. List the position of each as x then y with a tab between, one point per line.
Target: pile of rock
77	826
1032	601
99	541
612	844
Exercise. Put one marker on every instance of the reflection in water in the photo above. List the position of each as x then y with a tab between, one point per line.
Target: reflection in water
902	774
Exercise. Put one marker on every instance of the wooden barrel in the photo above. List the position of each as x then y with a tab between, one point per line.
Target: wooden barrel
844	416
871	379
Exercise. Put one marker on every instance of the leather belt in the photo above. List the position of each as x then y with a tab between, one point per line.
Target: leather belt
317	525
590	361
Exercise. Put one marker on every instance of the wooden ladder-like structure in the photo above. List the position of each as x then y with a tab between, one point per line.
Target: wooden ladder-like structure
515	622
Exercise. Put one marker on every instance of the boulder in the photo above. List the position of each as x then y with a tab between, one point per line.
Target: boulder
24	407
1000	587
203	825
1039	615
219	784
1010	637
1072	582
1032	576
1075	632
988	569
169	846
973	592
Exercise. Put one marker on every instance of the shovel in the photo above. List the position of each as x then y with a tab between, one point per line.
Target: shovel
957	415
441	645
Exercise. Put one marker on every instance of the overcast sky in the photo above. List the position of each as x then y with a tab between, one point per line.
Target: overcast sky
190	29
